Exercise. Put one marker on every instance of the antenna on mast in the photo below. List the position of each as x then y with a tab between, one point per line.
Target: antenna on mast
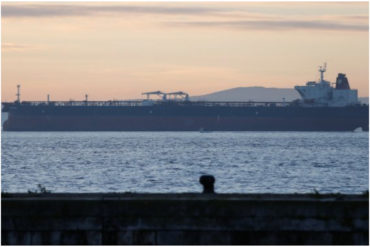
322	69
18	93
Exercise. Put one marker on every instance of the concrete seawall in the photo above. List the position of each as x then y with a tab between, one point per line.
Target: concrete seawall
184	219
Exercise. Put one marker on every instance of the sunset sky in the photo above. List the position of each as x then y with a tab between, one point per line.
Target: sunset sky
117	50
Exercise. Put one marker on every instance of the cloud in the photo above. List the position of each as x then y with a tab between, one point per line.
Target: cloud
83	10
14	47
358	17
230	17
276	25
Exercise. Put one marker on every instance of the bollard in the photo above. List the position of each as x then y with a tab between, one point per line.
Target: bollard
208	183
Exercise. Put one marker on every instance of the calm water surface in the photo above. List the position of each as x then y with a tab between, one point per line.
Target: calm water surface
276	162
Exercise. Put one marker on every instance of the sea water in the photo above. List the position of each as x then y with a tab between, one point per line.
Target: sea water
242	162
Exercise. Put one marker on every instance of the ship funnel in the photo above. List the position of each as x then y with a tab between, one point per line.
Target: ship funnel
342	82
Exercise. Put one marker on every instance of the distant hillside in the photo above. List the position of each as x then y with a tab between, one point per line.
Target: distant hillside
251	94
256	94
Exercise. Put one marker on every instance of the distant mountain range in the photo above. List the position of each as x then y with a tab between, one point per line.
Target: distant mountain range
256	94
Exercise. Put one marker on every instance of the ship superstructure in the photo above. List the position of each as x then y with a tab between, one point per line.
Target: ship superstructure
323	94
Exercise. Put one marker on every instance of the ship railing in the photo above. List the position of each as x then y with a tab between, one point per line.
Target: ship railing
238	103
85	103
117	103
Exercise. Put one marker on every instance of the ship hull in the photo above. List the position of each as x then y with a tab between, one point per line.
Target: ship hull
186	119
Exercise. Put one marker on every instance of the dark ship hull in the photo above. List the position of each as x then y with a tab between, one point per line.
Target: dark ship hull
188	116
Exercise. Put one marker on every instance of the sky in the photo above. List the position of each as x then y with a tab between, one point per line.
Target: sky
117	50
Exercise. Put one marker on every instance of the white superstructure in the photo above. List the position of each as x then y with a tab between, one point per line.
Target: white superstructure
323	94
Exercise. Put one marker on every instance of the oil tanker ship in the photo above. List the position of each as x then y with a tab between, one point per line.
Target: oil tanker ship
323	107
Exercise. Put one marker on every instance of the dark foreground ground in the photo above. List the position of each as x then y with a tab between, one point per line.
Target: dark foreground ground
186	219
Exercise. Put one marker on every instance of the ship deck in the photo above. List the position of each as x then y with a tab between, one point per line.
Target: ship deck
120	103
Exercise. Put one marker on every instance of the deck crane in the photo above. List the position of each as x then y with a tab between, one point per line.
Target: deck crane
158	93
179	95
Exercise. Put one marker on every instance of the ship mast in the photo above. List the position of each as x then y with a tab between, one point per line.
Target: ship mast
322	69
18	93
